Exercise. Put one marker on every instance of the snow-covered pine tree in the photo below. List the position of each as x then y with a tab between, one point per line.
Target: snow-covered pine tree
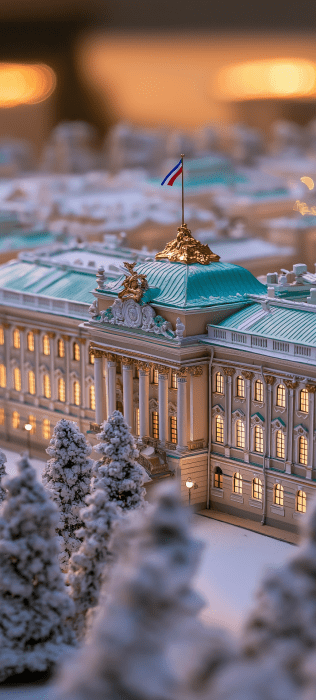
35	610
120	473
67	476
3	473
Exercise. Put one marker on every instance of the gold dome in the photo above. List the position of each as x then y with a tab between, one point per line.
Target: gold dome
186	249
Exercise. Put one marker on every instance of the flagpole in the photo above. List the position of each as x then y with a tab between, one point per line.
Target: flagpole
182	156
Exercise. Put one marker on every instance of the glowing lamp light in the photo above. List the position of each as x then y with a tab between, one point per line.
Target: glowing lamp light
263	79
189	483
25	83
28	427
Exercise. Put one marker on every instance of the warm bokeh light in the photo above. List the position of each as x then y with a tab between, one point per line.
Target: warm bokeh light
268	79
25	83
308	181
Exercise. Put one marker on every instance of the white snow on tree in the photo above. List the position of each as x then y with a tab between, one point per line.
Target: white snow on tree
67	477
3	473
35	610
147	643
120	473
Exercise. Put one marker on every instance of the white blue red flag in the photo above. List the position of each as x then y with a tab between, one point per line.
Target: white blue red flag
174	173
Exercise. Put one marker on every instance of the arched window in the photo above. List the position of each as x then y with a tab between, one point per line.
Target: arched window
257	489
219	430
3	376
280	444
31	382
280	395
240	434
61	390
15	420
173	429
92	397
241	387
155	376
17	379
237	483
302	450
258	390
46	386
30	341
155	424
174	380
258	439
46	345
218	478
301	501
278	495
219	383
304	400
1	335
76	393
46	429
61	348
32	422
91	358
16	338
76	351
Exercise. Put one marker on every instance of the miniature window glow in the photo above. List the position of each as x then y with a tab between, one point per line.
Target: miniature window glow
46	429
218	478
155	424
219	383
46	345
280	397
46	386
302	450
1	335
91	358
278	495
304	400
61	389
3	376
280	444
16	339
17	379
1	416
32	422
92	397
240	434
258	441
15	420
61	348
137	421
136	372
155	376
241	387
258	390
257	489
237	483
31	382
173	429
301	502
219	430
30	341
174	380
76	352
76	393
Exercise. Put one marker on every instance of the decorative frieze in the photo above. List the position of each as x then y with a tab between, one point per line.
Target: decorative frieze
162	370
130	314
229	371
269	379
311	388
182	372
246	374
127	361
195	371
290	383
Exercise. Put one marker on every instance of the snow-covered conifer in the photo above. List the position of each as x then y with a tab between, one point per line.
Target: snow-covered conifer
121	475
35	610
67	476
3	460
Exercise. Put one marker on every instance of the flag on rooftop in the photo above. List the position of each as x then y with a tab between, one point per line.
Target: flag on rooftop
174	173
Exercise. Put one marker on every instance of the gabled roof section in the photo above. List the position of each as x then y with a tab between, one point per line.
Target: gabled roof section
45	281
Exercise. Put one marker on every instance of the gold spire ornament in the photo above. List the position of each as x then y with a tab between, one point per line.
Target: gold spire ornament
134	284
186	249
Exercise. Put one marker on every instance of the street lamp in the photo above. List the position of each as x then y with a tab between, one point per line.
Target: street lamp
28	427
190	485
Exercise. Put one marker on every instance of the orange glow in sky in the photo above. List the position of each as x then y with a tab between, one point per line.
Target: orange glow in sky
25	83
276	78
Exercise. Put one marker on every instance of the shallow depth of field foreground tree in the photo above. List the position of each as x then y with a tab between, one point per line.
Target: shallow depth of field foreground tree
35	610
3	460
67	477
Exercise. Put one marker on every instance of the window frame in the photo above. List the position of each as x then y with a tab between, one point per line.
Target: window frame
46	429
257	489
257	429
304	401
76	393
258	389
155	424
219	421
30	341
240	383
76	352
283	396
17	379
174	379
15	415
61	344
237	483
278	495
61	389
31	382
47	385
240	432
3	376
301	501
173	429
218	478
46	345
302	440
279	434
16	339
219	383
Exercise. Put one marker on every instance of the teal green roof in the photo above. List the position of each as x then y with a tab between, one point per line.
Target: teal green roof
193	286
46	281
289	325
18	240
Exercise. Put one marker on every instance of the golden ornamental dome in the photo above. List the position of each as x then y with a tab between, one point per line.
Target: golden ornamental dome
186	249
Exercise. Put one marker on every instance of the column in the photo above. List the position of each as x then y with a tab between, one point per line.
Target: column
193	372
22	358
8	339
52	365
111	383
143	399
163	378
291	385
269	380
182	411
229	373
36	333
248	377
66	339
128	403
311	388
99	386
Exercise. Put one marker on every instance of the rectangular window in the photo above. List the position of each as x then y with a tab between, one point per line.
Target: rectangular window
1	335
3	376
237	483
61	390
173	429
155	424
46	345
302	450
32	422
30	342
174	380
301	502
258	439
76	393
280	445
219	383
137	421
155	376
241	387
257	489
17	379
240	434
15	420
219	430
92	397
31	378
46	429
304	401
280	395
61	348
1	416
76	352
16	339
46	386
91	358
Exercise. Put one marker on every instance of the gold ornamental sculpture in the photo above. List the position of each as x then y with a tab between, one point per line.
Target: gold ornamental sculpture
186	249
134	284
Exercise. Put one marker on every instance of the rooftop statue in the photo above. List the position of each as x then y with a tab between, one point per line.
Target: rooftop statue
186	249
134	284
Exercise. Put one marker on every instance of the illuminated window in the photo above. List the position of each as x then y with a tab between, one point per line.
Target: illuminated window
61	390
137	421
17	379
278	495
301	501
92	397
32	422
1	335
3	376
280	444
155	376
219	430
258	441
174	380
257	489
219	383
258	390
155	424
240	434
173	429
280	398
2	416
46	386
46	345
218	478
237	483
31	382
76	352
46	429
30	341
76	391
91	358
15	420
304	400
61	348
137	375
302	450
16	338
241	387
